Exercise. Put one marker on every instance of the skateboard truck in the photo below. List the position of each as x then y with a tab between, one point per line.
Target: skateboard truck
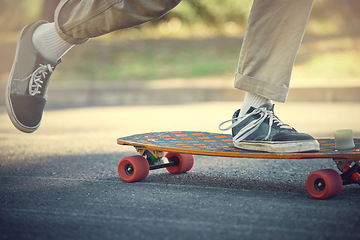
350	173
136	168
344	141
155	158
155	154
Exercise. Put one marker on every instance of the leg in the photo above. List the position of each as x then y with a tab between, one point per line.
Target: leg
78	20
272	38
42	44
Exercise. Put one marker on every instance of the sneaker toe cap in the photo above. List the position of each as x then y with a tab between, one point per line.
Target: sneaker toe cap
295	136
27	111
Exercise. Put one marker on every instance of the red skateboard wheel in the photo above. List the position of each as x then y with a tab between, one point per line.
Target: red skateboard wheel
185	162
133	169
324	184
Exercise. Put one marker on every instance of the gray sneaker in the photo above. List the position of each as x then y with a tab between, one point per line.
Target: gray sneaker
28	82
261	130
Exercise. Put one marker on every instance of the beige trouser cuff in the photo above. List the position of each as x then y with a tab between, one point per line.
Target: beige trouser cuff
263	88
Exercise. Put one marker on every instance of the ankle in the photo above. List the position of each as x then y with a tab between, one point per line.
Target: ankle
48	43
253	100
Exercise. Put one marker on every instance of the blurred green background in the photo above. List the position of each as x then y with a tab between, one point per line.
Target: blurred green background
199	38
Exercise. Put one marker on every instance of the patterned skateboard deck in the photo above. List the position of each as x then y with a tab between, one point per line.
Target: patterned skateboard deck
215	144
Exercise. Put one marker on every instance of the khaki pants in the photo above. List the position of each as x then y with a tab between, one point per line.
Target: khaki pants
273	35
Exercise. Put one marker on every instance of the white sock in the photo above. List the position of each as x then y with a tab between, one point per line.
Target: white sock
47	41
253	100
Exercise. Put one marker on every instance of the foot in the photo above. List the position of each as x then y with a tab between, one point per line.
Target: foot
28	82
261	130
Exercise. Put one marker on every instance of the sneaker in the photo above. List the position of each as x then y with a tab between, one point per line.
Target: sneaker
261	130
28	82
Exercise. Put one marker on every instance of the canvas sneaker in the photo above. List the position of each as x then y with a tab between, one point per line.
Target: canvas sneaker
28	82
261	130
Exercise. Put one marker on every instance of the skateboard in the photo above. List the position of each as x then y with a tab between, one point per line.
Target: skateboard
182	145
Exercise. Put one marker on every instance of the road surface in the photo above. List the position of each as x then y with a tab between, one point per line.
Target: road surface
61	182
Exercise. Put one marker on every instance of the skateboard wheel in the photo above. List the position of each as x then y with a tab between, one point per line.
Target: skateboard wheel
185	162
324	184
133	169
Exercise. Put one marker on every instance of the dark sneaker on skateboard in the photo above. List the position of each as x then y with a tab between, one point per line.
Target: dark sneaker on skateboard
28	82
261	130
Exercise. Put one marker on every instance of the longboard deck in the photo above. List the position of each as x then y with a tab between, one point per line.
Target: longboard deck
216	144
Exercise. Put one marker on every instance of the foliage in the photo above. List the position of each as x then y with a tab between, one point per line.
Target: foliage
330	47
211	12
14	14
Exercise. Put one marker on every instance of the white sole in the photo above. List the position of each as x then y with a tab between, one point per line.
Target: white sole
279	147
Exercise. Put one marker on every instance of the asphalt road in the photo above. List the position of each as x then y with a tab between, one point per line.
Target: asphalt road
62	183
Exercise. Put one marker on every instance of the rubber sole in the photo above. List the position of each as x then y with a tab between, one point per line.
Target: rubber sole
279	147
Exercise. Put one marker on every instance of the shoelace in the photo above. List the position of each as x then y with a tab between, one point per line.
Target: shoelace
255	124
36	78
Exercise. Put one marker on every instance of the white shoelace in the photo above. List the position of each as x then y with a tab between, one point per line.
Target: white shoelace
255	124
36	78
35	82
